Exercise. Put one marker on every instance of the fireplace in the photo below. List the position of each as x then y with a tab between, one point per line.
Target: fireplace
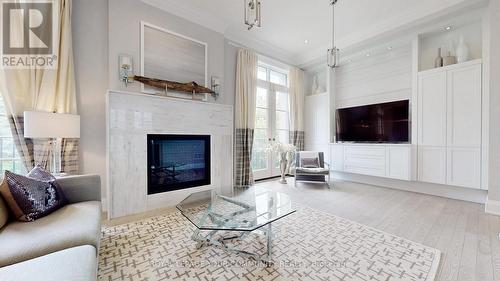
178	162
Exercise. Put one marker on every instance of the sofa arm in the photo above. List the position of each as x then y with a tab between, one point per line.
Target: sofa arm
81	188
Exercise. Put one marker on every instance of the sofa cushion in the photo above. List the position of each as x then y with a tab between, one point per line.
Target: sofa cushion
72	225
78	263
30	198
4	213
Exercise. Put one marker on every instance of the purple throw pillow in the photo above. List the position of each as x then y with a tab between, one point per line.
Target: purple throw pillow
32	197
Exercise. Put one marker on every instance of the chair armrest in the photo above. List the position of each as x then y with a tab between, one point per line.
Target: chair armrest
81	188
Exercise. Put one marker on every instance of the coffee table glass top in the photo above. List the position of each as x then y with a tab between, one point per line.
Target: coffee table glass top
247	211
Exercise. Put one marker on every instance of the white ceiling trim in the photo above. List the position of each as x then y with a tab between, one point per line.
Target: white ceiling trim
261	47
190	14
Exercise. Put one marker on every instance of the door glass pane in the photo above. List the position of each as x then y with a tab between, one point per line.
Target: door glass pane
259	160
278	78
261	118
282	120
7	145
282	101
262	99
282	136
259	155
261	73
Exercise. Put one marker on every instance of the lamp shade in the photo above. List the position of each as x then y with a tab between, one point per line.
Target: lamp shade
40	125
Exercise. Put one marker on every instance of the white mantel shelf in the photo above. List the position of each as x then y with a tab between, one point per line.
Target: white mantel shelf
130	117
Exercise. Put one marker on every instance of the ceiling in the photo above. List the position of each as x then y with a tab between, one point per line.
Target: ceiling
286	24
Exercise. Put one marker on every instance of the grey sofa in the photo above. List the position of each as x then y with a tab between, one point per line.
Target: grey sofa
61	246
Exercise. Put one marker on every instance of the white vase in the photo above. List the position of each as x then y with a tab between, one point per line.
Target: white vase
462	51
315	86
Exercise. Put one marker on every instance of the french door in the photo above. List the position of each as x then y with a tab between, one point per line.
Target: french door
271	124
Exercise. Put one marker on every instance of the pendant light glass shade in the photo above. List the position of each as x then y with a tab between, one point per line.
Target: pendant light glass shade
253	15
332	56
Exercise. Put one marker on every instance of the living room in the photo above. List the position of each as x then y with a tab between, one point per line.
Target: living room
250	140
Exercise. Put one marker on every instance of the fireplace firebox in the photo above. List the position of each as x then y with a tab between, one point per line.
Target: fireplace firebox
177	162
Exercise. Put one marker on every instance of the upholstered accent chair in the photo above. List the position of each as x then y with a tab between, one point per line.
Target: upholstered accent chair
310	166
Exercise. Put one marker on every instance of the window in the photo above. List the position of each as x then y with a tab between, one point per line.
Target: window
271	118
9	158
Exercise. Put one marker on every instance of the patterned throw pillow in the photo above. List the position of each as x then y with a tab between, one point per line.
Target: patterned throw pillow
309	162
33	197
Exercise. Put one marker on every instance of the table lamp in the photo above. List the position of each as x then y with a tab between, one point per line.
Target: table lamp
53	126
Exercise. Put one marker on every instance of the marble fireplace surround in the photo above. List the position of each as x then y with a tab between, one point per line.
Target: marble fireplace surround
131	117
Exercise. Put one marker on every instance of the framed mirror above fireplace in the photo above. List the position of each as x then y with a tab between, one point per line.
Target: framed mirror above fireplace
177	162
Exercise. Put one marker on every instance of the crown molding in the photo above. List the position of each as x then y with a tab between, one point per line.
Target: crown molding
245	39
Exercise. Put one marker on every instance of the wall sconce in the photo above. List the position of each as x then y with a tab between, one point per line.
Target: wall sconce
216	86
126	68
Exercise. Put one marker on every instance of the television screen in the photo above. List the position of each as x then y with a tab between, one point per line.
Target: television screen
384	122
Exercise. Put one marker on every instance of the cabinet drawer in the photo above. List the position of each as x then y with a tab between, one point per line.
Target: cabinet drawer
365	160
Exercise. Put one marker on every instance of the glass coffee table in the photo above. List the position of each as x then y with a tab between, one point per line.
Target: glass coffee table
235	217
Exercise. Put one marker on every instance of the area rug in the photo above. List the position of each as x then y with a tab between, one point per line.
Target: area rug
308	245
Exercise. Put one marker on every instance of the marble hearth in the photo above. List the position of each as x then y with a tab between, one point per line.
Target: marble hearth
131	117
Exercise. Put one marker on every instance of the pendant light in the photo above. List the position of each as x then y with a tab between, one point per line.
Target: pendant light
332	55
252	13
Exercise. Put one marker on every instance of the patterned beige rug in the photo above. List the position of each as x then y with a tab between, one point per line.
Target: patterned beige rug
308	245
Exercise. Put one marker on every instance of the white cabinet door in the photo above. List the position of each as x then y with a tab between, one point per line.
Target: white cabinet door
464	167
317	122
337	157
432	109
398	161
432	164
464	107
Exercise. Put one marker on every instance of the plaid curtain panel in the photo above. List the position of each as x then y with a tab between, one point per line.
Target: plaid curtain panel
243	157
38	151
297	139
69	156
24	147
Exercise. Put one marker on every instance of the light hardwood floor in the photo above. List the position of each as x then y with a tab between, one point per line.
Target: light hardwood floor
467	236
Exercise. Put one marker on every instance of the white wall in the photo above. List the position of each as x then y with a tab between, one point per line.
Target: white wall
124	37
379	78
494	159
90	46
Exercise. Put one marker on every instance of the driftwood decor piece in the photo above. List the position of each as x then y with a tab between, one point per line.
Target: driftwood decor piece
191	87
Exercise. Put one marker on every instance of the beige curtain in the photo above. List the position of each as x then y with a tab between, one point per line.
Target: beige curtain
246	92
297	101
51	90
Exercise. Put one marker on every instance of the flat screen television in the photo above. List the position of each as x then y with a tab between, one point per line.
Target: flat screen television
380	123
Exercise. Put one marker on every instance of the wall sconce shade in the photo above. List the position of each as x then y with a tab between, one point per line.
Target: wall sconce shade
126	68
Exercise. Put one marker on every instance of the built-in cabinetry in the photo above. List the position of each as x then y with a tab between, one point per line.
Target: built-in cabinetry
381	160
449	125
317	123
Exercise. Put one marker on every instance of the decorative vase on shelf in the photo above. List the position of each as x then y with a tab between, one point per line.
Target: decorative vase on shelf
315	86
462	51
449	60
438	62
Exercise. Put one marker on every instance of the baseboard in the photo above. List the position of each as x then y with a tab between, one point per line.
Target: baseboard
492	207
452	192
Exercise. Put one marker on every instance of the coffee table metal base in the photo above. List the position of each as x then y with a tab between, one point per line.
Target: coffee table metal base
224	243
